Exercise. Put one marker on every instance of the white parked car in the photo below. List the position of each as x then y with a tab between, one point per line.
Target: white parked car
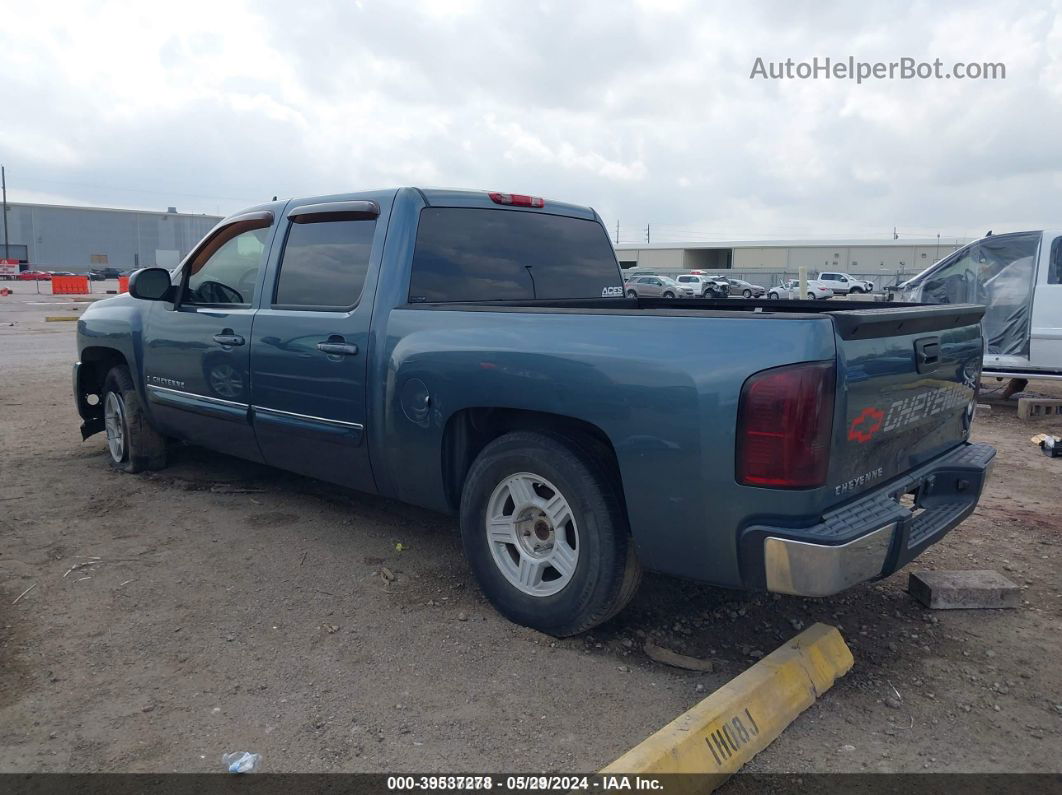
703	286
790	288
843	284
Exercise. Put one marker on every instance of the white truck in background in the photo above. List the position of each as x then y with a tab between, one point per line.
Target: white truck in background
1018	276
843	283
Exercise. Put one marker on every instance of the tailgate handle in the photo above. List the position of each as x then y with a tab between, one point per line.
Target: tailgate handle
927	354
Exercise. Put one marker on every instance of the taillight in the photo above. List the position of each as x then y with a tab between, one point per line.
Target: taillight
785	423
517	200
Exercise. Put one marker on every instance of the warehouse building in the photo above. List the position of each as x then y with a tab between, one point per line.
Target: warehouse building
877	260
55	237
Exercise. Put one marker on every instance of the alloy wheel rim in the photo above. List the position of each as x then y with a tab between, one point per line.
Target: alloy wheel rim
114	424
532	534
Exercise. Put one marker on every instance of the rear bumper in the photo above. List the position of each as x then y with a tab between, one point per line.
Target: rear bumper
873	536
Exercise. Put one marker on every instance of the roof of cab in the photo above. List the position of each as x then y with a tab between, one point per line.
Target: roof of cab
445	197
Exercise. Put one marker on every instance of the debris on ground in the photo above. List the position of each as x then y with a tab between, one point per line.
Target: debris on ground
950	590
241	762
19	597
673	658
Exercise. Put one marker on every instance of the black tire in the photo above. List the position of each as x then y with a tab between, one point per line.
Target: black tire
669	295
747	292
632	294
856	291
606	573
811	296
143	447
773	296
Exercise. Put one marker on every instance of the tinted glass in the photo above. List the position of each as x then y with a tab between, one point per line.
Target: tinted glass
229	274
477	255
1054	275
324	263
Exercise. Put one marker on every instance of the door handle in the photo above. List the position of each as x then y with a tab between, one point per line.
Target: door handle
227	337
337	346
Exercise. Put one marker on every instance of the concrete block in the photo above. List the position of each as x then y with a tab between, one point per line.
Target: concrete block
1028	408
959	590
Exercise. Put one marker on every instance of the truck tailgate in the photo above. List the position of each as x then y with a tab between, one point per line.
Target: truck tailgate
907	380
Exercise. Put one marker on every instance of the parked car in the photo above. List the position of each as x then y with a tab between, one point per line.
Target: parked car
96	276
656	287
64	273
790	288
745	289
474	353
34	276
703	286
1018	277
108	273
843	284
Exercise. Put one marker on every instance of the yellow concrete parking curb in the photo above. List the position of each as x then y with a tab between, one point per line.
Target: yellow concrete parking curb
58	318
743	717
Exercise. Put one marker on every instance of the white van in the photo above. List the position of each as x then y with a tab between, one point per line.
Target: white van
1018	277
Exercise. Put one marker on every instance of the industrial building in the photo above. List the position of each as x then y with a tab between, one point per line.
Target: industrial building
877	260
57	237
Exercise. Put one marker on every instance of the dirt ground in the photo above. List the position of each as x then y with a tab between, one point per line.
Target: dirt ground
220	605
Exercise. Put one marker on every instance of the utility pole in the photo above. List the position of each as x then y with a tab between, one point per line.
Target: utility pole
617	231
3	182
647	233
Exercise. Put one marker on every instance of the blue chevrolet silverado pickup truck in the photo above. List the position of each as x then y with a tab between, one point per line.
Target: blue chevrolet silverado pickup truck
475	353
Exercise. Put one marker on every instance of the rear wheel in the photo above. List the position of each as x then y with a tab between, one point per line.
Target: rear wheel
545	533
773	296
632	294
811	296
132	444
747	293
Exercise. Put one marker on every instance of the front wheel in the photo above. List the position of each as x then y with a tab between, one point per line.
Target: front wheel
811	296
545	533
747	293
773	296
669	295
632	294
133	445
856	291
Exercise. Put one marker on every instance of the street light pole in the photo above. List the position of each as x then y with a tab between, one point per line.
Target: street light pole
3	182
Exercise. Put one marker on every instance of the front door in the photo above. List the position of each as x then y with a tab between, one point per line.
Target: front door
1047	307
197	352
310	344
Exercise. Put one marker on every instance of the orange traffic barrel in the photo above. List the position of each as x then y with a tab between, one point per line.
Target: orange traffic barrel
123	284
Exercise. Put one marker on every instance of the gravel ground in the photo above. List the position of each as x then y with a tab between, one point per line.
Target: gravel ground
221	605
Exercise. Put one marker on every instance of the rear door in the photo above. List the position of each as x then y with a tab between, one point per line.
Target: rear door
310	342
906	389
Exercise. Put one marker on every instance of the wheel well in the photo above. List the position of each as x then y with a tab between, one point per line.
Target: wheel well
470	430
95	364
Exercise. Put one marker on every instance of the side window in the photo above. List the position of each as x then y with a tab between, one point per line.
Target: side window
1054	272
324	263
226	270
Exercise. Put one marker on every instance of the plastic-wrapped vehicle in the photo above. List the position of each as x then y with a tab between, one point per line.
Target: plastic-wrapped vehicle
1018	277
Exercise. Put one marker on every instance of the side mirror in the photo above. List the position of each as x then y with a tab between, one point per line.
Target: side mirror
150	284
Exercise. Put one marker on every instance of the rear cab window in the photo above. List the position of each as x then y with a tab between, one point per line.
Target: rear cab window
324	263
465	254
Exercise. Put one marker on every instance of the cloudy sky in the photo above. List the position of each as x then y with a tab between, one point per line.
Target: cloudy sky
644	110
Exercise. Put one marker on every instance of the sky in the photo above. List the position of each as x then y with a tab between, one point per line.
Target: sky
644	110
